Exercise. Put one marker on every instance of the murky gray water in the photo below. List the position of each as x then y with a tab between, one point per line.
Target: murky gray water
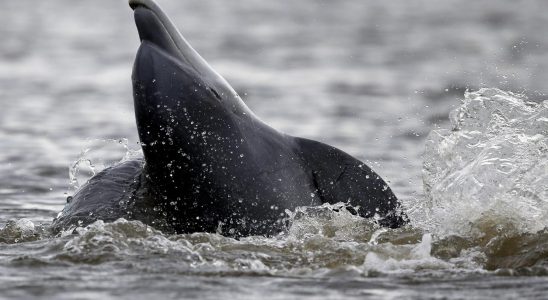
370	77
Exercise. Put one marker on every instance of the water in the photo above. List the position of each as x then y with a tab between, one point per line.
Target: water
373	78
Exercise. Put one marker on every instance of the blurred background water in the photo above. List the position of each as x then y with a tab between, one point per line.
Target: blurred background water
370	77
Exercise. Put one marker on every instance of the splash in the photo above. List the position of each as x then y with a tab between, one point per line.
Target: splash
98	155
330	220
491	169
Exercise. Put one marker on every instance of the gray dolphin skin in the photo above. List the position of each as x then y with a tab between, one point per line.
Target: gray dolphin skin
210	165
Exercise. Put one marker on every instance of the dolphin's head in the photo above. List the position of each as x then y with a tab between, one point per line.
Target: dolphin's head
169	73
184	110
176	92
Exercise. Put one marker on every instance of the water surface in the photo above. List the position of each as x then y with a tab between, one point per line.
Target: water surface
373	78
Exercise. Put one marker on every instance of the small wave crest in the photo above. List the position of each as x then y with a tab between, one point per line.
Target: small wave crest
21	230
320	239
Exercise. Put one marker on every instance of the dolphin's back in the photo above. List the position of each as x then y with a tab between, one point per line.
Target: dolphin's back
105	196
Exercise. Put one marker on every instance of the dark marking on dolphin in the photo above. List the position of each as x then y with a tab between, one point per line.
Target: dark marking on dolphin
209	163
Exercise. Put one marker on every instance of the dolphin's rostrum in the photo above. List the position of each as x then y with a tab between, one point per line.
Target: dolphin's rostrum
209	163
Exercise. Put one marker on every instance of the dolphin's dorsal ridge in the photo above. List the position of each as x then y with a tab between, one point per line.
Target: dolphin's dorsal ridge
339	176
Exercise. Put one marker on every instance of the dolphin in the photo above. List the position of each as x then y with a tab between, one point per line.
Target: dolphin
210	164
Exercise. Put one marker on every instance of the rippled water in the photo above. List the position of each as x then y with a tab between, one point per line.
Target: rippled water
373	78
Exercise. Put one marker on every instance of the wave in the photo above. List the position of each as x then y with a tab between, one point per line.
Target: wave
485	210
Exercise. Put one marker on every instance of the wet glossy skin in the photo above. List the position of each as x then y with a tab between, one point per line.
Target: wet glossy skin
210	163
